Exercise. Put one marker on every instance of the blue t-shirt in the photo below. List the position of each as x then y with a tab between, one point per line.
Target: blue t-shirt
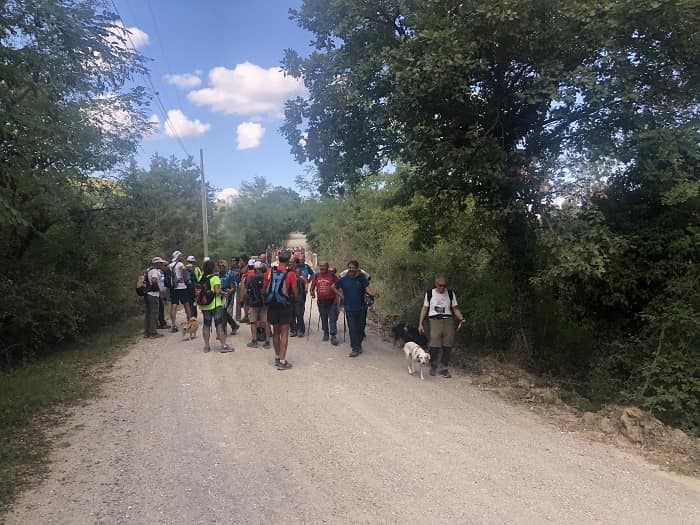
353	292
226	279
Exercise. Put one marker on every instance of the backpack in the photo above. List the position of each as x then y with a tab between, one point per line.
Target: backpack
276	291
254	289
450	294
190	278
142	284
206	295
168	274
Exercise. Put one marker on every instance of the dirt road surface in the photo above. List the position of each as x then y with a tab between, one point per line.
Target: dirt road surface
183	437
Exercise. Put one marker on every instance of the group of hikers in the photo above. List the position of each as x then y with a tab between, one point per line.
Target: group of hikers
271	296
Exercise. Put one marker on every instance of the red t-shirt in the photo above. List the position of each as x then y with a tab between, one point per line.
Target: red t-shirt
324	286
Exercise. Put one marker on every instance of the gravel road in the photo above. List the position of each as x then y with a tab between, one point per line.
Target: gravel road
183	437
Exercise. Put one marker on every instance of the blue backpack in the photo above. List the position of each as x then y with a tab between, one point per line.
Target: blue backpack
277	293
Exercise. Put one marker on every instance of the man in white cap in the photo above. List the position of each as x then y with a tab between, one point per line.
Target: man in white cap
152	298
178	291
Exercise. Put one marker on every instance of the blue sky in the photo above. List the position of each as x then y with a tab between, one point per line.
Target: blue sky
214	63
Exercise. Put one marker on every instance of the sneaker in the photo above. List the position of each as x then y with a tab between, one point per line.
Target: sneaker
266	344
360	350
173	329
207	349
252	344
334	340
433	370
292	334
445	373
283	366
226	349
155	336
353	354
325	337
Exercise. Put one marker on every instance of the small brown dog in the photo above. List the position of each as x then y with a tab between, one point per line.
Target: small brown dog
190	328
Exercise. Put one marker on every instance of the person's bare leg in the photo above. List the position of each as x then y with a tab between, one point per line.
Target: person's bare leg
188	311
173	313
276	338
254	331
284	341
222	336
206	332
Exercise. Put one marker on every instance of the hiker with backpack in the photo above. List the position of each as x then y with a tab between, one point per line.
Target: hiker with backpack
279	298
440	305
322	287
192	276
352	289
304	274
368	300
254	295
211	302
178	289
149	288
228	288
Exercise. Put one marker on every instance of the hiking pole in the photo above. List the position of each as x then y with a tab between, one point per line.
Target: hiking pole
345	323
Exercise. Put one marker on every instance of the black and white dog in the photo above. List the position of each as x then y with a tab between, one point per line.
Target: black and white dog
407	333
415	354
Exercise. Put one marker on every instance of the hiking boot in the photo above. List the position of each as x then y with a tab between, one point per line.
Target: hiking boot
173	329
207	349
266	344
433	370
334	340
292	334
252	344
325	337
445	373
283	366
225	349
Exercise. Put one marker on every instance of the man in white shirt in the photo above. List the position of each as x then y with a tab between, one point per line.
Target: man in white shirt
178	292
152	298
440	305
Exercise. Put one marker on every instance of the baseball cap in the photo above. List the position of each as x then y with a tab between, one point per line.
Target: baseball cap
176	254
257	265
191	258
251	262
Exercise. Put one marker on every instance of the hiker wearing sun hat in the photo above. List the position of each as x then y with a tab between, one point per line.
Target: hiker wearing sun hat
193	274
178	289
152	298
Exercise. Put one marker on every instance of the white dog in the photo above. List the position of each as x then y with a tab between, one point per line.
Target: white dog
414	353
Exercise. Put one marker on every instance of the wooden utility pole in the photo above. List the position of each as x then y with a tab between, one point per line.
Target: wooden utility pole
205	223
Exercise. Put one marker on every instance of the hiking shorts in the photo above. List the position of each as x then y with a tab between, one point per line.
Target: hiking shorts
280	313
442	333
257	314
179	296
217	314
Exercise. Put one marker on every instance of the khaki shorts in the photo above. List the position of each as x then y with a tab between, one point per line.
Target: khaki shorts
257	314
442	333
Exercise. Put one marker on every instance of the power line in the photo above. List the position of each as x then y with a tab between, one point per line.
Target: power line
156	94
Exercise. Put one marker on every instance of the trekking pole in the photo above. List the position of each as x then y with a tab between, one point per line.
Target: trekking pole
345	317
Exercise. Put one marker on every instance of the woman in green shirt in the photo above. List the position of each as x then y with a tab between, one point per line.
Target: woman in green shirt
214	310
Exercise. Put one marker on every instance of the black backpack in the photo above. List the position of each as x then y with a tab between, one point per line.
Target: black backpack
206	295
255	290
142	284
168	274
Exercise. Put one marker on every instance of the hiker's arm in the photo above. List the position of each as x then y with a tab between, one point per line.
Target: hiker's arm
423	313
217	289
460	316
371	292
312	289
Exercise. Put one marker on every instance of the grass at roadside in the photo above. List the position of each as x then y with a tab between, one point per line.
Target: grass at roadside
33	395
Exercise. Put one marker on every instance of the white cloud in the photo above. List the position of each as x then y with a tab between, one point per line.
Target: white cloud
248	89
249	135
227	195
131	35
178	125
184	80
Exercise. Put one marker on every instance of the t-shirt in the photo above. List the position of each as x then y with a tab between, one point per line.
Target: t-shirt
353	292
179	270
154	273
218	300
324	286
440	303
